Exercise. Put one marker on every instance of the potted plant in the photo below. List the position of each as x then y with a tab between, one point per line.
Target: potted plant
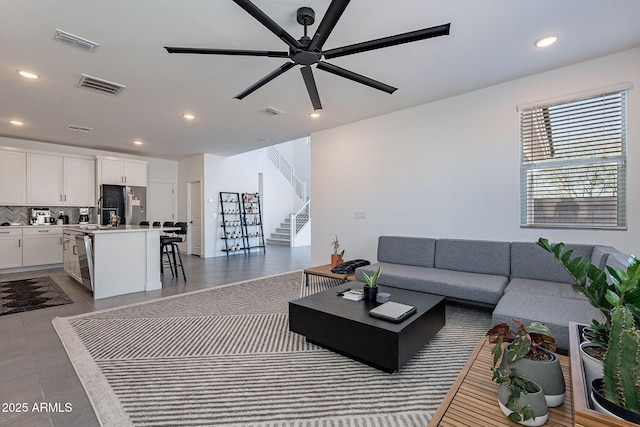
618	392
619	301
371	284
530	353
336	258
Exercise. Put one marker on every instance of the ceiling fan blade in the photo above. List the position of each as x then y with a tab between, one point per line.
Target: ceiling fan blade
203	51
271	25
329	21
338	71
266	79
310	82
412	36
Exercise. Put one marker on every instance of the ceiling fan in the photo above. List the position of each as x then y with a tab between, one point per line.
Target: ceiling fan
308	51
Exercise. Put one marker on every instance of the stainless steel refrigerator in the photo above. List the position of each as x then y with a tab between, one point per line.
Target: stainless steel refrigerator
127	203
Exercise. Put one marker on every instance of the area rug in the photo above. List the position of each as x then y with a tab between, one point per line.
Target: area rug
17	296
225	357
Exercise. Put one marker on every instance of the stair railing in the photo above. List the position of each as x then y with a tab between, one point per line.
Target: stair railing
283	166
300	219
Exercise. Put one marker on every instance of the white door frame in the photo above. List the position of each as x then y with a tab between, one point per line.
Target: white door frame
189	218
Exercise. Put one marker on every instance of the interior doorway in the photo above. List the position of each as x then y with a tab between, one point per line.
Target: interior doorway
194	218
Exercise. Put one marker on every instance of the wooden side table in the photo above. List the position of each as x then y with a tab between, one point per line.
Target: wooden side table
473	398
325	272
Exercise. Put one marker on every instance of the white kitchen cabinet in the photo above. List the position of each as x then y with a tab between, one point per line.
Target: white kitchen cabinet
41	245
122	172
79	182
10	247
13	178
44	180
60	181
70	256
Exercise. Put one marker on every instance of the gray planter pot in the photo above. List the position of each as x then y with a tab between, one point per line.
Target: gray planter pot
536	401
547	373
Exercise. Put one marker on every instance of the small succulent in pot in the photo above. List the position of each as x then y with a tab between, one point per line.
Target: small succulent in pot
336	258
371	279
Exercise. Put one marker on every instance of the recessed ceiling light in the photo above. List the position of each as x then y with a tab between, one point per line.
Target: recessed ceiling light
546	41
16	122
28	74
189	116
314	115
137	142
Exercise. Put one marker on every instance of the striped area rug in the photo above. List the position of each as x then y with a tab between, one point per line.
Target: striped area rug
193	360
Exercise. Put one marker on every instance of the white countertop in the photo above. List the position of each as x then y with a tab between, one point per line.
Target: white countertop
14	225
99	229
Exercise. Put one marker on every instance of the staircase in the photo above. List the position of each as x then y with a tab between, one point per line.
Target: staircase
282	236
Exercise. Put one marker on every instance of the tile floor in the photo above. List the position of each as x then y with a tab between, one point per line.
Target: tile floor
34	367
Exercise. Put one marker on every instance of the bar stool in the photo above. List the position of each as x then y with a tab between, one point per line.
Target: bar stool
172	241
164	247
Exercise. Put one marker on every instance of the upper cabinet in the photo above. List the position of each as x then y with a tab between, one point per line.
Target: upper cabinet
79	182
13	178
122	172
60	181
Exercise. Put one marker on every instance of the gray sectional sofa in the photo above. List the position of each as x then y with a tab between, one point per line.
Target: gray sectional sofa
513	279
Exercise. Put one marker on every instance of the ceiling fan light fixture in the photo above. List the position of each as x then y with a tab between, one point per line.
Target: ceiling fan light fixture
546	41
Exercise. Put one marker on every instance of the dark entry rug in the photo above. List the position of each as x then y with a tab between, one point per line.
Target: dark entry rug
17	296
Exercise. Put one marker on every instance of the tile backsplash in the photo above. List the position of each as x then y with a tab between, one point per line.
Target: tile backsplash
22	214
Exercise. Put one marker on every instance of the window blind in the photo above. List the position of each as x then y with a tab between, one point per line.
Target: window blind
573	163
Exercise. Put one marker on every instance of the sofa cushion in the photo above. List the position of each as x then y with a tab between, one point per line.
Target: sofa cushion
555	289
473	287
417	251
530	261
619	261
600	254
473	256
554	312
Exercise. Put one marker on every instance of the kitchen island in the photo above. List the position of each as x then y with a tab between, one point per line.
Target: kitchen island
119	260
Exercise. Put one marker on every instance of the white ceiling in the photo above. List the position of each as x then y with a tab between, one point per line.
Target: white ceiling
491	41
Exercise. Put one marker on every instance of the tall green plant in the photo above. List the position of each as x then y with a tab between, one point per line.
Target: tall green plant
622	361
590	281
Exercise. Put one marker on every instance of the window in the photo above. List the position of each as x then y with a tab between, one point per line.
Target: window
572	163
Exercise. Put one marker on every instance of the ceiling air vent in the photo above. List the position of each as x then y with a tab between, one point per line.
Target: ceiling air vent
99	85
272	111
76	41
81	129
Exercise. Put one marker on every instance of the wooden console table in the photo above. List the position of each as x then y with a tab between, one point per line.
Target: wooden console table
473	398
324	272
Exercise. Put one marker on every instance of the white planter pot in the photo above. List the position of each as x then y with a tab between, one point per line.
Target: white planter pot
592	366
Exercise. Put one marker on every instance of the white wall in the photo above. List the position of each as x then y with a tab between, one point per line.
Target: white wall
233	174
451	168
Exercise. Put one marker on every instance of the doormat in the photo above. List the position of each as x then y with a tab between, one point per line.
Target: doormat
17	296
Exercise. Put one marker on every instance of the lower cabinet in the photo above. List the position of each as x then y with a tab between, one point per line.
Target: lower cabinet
41	246
10	247
70	256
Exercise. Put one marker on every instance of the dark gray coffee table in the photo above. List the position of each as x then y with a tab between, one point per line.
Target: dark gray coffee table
345	326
